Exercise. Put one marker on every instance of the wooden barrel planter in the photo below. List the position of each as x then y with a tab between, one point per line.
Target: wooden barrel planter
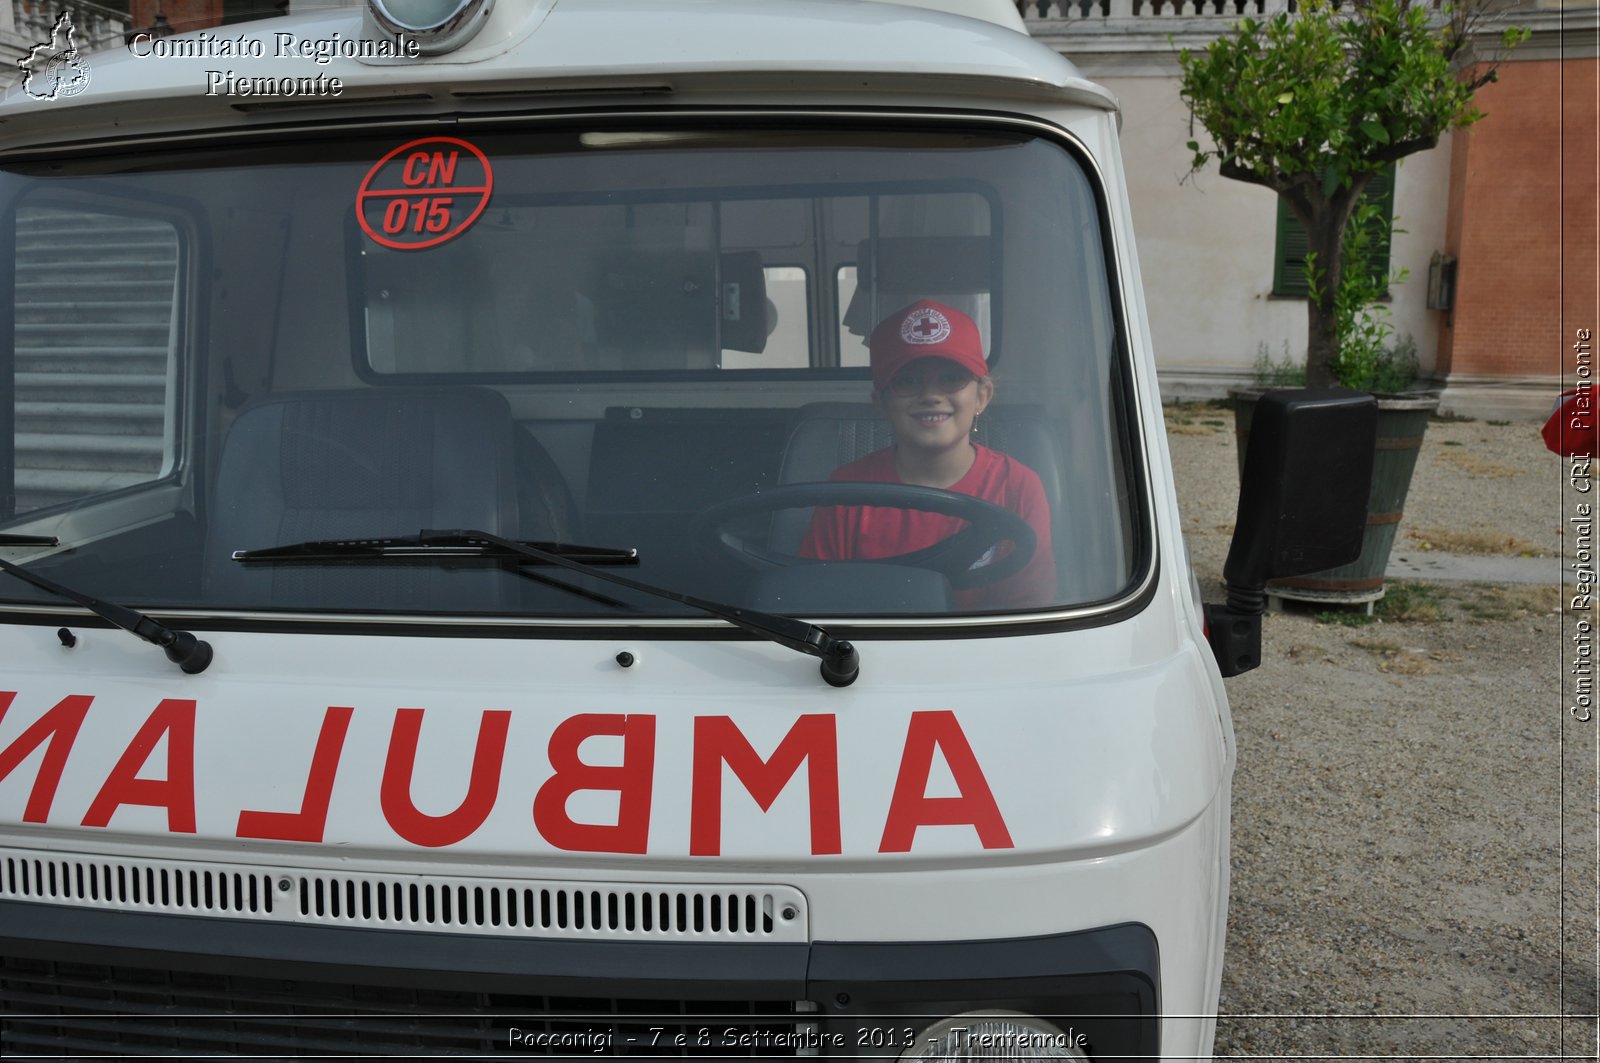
1401	423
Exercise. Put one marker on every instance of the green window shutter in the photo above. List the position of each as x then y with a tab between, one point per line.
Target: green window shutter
1289	255
1380	190
1289	262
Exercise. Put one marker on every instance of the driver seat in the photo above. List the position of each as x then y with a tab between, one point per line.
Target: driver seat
830	434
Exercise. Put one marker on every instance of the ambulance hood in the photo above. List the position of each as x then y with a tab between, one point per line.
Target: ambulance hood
545	753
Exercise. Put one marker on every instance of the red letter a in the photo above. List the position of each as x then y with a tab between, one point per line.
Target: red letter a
174	718
911	808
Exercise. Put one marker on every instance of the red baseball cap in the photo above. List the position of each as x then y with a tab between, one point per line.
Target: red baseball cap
925	329
1570	428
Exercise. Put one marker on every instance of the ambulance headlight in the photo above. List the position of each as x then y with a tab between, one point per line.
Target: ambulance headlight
994	1035
436	25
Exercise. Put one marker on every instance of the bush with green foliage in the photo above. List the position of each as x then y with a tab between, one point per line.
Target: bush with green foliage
1368	358
1283	372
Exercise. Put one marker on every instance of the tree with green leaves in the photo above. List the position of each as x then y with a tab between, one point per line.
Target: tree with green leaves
1312	104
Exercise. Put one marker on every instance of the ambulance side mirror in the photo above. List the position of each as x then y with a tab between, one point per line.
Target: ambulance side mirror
1302	506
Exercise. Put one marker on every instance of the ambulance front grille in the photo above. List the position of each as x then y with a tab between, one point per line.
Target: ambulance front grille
80	1009
509	907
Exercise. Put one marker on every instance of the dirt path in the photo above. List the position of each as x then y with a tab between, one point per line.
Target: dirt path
1402	885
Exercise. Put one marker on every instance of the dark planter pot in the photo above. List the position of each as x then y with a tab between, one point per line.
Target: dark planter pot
1402	419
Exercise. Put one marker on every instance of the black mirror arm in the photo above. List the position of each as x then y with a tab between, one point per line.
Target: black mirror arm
1234	634
1246	601
1233	627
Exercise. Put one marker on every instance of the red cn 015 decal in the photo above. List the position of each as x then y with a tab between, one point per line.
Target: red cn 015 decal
424	193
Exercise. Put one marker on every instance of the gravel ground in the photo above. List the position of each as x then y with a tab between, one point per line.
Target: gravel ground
1414	854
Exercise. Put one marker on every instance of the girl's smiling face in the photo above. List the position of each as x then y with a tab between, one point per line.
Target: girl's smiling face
932	404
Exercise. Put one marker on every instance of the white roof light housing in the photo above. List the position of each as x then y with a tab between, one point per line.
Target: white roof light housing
437	26
1000	12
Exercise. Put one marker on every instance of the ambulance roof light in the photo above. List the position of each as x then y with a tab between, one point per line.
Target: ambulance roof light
436	25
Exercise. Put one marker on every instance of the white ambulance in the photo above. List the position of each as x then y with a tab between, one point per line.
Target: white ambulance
409	641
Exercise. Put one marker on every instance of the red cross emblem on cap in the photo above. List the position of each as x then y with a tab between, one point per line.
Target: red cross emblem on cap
925	325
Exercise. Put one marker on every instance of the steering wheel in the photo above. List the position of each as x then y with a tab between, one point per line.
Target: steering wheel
988	525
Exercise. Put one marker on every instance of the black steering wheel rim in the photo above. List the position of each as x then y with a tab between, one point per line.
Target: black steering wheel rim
954	556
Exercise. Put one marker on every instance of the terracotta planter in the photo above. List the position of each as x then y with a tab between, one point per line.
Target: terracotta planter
1402	419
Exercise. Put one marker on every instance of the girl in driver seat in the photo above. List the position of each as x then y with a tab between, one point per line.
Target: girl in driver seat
931	381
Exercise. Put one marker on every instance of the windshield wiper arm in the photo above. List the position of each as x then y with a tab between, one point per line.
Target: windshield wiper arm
190	654
841	664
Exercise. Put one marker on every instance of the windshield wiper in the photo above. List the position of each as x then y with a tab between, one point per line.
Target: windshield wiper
841	664
190	654
444	546
436	544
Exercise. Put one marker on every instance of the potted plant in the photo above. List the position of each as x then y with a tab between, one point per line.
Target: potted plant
1313	104
1370	358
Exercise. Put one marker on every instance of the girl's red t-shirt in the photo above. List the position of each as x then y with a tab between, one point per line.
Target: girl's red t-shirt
844	533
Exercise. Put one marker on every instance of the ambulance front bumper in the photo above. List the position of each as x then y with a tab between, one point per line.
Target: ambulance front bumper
78	981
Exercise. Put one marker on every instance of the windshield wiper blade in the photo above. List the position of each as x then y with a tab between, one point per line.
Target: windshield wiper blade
841	664
438	547
435	544
191	654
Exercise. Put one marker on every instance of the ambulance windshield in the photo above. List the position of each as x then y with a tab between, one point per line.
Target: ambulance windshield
823	370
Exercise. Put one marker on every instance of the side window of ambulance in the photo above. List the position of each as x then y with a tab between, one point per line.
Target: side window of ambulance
788	326
852	342
94	342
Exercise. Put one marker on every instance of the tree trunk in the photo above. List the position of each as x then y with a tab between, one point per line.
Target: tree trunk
1322	343
1324	221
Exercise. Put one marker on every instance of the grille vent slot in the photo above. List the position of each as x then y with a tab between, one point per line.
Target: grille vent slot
135	885
519	908
540	907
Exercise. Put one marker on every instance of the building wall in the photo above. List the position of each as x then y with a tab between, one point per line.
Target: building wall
186	15
1524	225
181	15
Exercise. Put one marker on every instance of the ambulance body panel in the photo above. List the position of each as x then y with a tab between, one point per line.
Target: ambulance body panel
597	274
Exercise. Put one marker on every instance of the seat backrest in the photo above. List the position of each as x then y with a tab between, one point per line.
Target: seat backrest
545	505
830	434
361	464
